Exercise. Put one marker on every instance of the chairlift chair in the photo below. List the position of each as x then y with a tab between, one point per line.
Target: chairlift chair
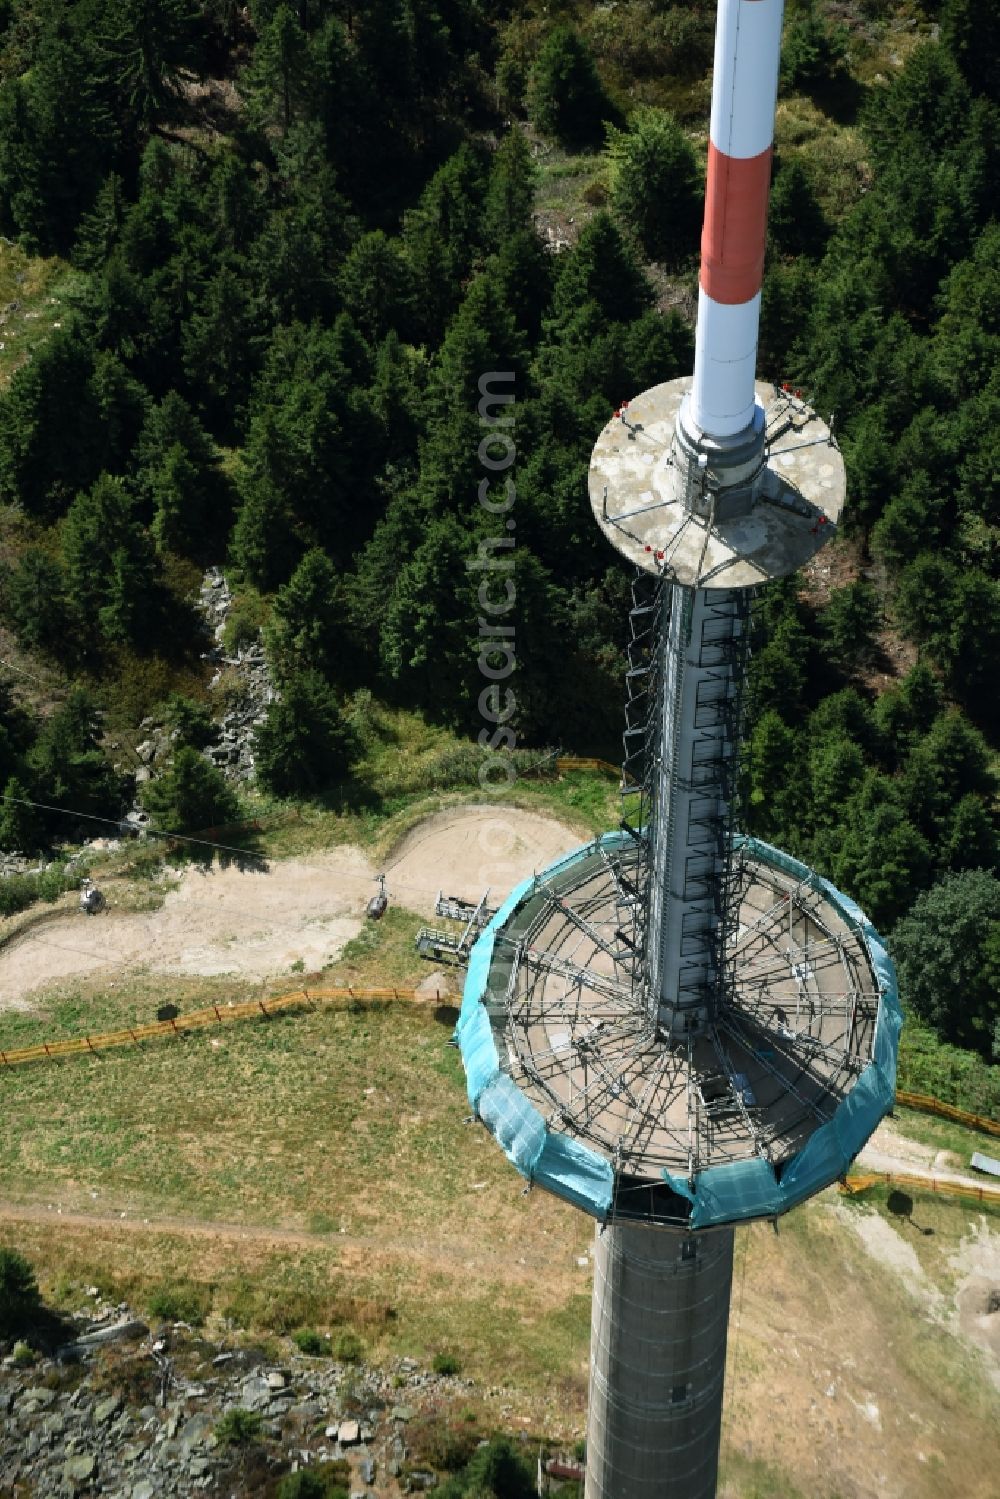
379	904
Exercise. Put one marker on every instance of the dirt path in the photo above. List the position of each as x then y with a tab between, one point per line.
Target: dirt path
445	1249
881	1160
260	922
891	1150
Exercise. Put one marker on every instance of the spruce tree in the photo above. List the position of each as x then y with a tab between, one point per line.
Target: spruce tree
657	186
305	745
192	796
566	99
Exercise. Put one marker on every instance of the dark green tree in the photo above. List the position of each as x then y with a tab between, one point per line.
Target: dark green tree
58	138
950	761
306	631
522	272
946	952
376	286
970	31
20	1298
179	479
305	745
657	190
20	825
395	396
143	48
442	234
971	840
813	50
566	98
280	82
878	856
192	796
221	346
264	545
70	770
191	722
109	565
495	1469
771	767
795	222
428	637
851	621
100	225
510	193
779	670
49	426
601	269
34	602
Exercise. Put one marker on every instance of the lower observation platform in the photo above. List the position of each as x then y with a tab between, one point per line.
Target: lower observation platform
772	1103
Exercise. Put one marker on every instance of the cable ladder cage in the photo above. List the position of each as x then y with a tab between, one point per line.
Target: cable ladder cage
640	744
723	653
701	872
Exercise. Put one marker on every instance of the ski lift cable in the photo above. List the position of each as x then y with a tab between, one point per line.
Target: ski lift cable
226	848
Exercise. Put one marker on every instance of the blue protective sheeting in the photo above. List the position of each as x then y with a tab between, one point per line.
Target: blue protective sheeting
820	1163
514	1121
680	1185
722	1194
729	1194
576	1174
565	1167
479	1053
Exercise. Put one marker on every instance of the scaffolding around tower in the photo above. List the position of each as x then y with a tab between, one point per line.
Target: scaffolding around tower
566	1068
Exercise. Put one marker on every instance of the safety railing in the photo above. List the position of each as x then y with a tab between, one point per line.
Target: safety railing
928	1105
213	1015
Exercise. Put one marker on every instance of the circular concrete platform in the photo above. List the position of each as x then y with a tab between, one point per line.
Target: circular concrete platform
636	494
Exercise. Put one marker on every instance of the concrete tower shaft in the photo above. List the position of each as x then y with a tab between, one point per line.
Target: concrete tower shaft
744	90
659	1323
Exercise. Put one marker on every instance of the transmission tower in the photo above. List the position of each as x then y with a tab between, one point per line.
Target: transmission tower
679	1028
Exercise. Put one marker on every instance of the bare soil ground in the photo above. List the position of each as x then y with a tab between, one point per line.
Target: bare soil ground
465	850
257	922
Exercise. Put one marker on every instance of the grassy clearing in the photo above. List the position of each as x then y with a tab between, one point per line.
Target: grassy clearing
931	1226
742	1477
942	1134
949	1073
834	154
356	1117
34	298
411	769
347	1128
571	188
876	1394
346	1125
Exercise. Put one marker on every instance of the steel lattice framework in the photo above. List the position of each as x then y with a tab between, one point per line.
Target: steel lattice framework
793	1032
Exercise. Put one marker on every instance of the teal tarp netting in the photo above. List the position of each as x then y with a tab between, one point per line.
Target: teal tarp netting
723	1194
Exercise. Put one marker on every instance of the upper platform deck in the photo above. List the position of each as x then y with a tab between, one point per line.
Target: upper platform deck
637	494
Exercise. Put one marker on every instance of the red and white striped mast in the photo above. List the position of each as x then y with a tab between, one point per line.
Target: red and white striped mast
744	93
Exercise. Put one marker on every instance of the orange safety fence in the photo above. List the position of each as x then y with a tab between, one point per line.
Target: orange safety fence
928	1105
200	1019
571	762
860	1181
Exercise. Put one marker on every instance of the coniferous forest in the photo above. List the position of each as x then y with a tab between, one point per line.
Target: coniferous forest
272	251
